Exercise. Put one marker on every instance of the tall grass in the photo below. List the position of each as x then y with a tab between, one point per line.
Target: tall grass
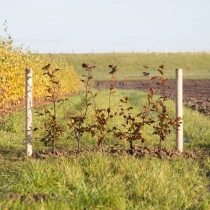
98	181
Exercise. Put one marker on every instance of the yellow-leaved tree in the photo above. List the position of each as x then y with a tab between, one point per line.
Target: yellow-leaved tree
13	62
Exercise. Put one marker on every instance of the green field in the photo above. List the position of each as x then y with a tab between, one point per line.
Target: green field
131	65
100	181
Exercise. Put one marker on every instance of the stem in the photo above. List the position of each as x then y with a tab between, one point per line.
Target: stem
78	145
53	146
160	145
131	145
110	98
54	100
86	97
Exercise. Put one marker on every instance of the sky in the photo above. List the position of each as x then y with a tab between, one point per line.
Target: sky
103	26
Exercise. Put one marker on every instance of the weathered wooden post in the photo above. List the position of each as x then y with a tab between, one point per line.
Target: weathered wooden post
29	104
179	107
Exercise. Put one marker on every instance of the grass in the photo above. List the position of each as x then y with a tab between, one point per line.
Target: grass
99	181
130	65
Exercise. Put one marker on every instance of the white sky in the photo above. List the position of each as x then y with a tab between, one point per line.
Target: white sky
83	26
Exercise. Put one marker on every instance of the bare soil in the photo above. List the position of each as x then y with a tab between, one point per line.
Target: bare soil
196	93
137	152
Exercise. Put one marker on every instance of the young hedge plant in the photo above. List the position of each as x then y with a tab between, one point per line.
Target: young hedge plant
97	121
52	129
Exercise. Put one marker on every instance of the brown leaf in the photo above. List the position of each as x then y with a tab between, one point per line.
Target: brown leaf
121	113
46	67
162	66
114	69
146	73
160	71
55	70
55	82
129	108
84	65
152	78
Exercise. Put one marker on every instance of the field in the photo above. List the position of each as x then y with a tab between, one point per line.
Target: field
113	178
195	92
131	65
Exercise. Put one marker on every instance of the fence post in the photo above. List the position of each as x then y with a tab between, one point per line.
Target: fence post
29	104
179	106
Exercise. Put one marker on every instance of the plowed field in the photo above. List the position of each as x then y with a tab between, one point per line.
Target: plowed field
196	93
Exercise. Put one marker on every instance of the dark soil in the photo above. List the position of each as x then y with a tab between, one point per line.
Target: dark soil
16	106
23	197
137	152
196	93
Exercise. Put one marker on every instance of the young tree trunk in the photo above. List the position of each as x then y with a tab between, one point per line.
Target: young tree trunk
78	145
53	146
131	145
160	145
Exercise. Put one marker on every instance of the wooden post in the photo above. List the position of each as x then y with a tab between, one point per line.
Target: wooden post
179	106
28	132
